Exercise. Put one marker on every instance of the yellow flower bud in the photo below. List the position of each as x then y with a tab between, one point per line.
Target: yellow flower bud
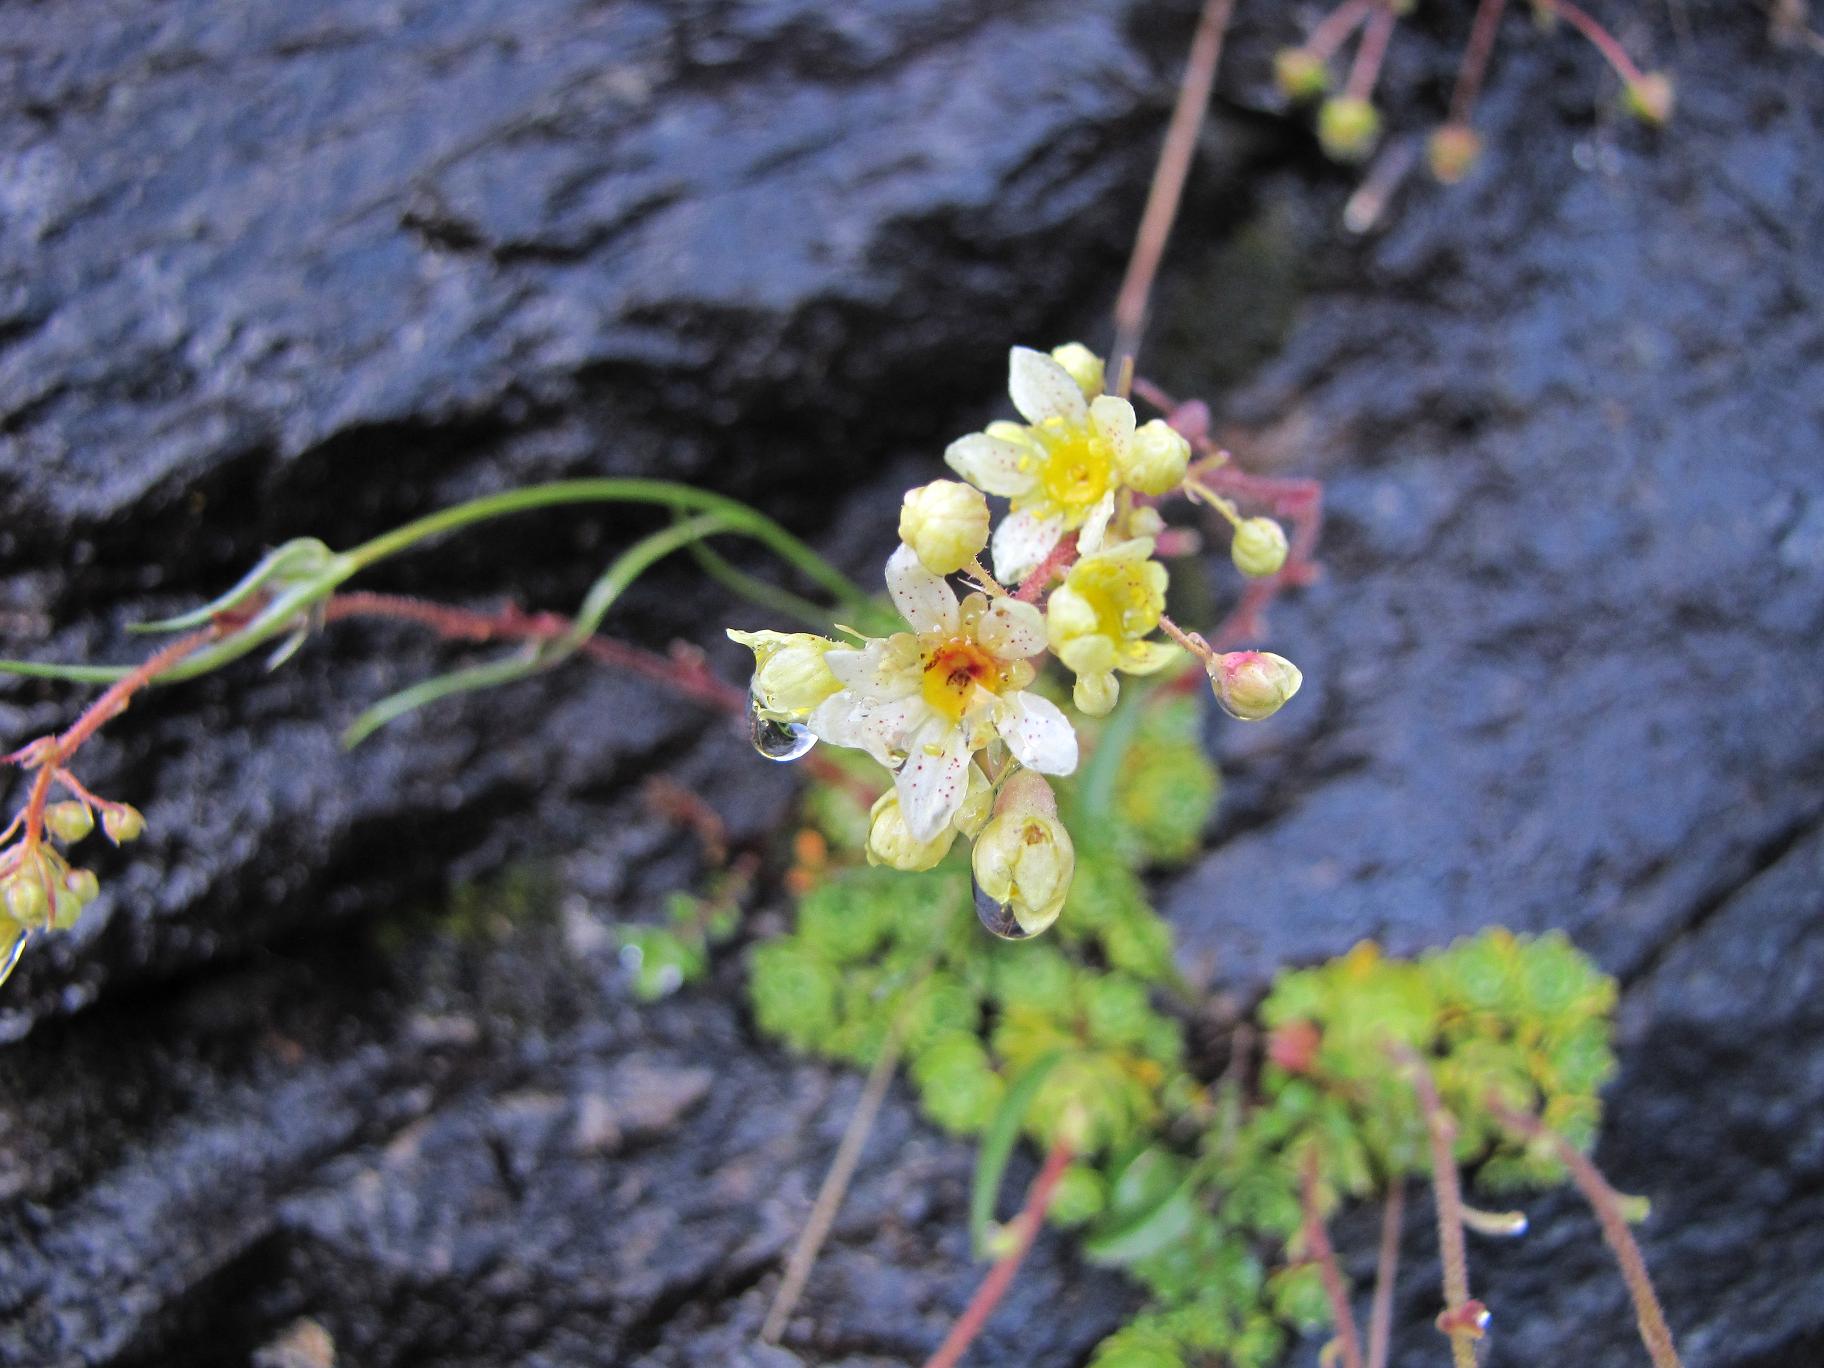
1145	521
1083	366
1348	128
1096	694
1156	457
69	821
1300	75
891	843
1023	860
945	523
978	805
25	900
1260	547
791	676
1253	685
123	823
84	884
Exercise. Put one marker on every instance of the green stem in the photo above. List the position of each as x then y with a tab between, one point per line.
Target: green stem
613	582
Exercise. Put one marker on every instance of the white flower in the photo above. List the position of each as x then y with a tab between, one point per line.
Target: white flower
923	702
1060	471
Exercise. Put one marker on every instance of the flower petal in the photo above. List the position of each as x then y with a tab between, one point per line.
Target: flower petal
1095	525
1012	630
1042	389
934	780
887	667
1021	542
925	600
1039	735
1113	418
883	730
993	465
1148	657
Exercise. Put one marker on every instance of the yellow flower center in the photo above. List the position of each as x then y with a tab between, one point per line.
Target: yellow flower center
1125	597
954	669
1076	468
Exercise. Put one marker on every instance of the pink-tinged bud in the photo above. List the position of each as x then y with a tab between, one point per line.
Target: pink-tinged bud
1470	1318
69	821
1294	1046
1649	99
122	823
1251	686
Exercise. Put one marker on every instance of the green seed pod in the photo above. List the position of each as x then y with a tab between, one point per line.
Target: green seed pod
69	821
1260	547
123	823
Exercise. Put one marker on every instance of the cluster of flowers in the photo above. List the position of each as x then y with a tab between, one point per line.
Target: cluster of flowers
949	706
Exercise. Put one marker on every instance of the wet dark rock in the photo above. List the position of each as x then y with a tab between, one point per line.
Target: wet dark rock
318	268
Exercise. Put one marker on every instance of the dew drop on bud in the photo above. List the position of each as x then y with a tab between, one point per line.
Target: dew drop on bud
9	955
777	740
997	916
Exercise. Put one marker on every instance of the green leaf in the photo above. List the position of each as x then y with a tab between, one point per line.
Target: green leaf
997	1147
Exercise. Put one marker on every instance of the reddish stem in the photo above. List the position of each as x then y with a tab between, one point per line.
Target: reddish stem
1387	1269
1062	557
1600	38
1442	1130
1168	186
1369	56
1648	1316
1318	1240
1025	1227
1334	29
1475	59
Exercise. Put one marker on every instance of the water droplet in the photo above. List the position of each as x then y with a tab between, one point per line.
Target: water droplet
997	916
777	740
10	955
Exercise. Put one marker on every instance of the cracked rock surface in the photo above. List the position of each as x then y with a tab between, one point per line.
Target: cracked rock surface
316	268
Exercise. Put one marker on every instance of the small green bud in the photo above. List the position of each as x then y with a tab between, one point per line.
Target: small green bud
1260	547
1083	366
1453	152
122	824
1096	694
69	821
25	900
1649	99
891	842
1348	128
66	908
84	884
1251	686
945	523
1300	75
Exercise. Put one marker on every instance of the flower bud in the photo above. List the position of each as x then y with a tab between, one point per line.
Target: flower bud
84	884
1083	366
1649	99
1253	685
1453	152
1348	128
66	909
978	805
1024	858
123	823
1259	548
1096	694
1300	75
945	523
1155	459
791	676
25	900
69	821
891	843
